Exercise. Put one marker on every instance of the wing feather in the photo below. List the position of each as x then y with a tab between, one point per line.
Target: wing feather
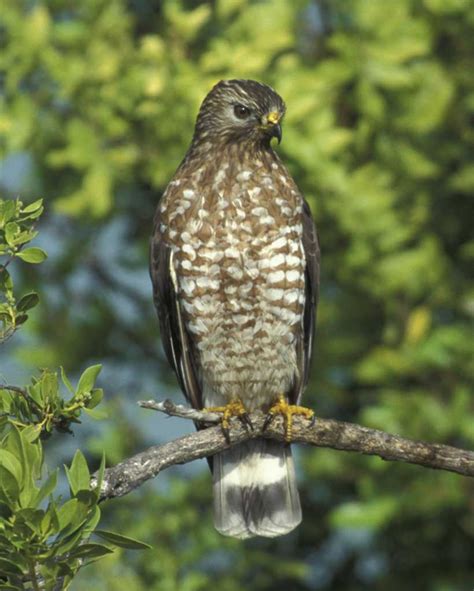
175	338
305	342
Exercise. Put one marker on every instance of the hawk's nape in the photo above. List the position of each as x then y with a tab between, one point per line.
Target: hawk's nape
235	272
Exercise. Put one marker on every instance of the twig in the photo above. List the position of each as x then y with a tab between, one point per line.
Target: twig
16	389
132	472
181	411
24	393
3	266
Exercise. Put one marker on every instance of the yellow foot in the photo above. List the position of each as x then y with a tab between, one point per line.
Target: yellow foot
287	411
235	408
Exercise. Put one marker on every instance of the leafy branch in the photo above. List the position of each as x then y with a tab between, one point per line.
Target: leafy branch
17	229
43	404
44	539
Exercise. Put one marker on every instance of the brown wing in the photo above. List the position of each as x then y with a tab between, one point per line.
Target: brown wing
176	341
305	342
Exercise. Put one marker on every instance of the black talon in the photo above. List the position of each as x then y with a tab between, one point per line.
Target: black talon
245	418
268	420
313	421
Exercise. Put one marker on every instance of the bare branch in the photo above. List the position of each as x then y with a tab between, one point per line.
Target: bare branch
182	411
132	472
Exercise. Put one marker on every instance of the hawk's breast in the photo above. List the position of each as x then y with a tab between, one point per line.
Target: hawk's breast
239	266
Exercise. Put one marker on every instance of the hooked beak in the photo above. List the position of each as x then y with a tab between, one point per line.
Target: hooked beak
275	131
273	125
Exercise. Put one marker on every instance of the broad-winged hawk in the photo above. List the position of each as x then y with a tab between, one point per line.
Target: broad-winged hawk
235	272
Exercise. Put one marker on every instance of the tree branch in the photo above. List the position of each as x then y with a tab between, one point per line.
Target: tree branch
132	472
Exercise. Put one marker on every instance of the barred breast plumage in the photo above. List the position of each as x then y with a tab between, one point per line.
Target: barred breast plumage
239	266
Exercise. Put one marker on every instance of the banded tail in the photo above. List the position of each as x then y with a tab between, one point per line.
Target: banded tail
255	494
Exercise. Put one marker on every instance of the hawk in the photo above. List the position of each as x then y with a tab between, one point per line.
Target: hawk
235	273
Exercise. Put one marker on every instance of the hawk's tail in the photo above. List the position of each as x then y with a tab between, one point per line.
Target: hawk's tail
255	490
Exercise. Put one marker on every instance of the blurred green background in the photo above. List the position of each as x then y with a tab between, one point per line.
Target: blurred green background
99	99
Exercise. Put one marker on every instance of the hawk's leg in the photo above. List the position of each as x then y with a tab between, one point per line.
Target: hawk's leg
288	411
235	408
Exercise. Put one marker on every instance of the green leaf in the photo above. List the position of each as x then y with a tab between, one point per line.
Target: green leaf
5	401
91	522
7	211
21	319
52	519
33	453
78	474
88	378
70	515
9	567
122	541
33	206
67	542
87	497
28	494
30	518
11	463
66	381
33	255
31	434
11	230
35	393
97	395
15	445
28	301
90	550
21	237
47	487
50	387
9	488
47	527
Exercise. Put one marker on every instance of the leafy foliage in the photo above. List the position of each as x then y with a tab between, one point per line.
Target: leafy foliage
100	99
42	404
44	540
16	231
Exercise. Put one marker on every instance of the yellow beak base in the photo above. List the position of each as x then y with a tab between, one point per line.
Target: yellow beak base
273	118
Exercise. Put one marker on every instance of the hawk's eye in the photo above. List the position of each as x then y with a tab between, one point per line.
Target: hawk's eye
241	112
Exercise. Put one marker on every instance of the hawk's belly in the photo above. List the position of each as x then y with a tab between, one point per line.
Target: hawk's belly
241	290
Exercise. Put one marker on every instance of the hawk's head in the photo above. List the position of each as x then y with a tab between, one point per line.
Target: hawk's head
242	111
